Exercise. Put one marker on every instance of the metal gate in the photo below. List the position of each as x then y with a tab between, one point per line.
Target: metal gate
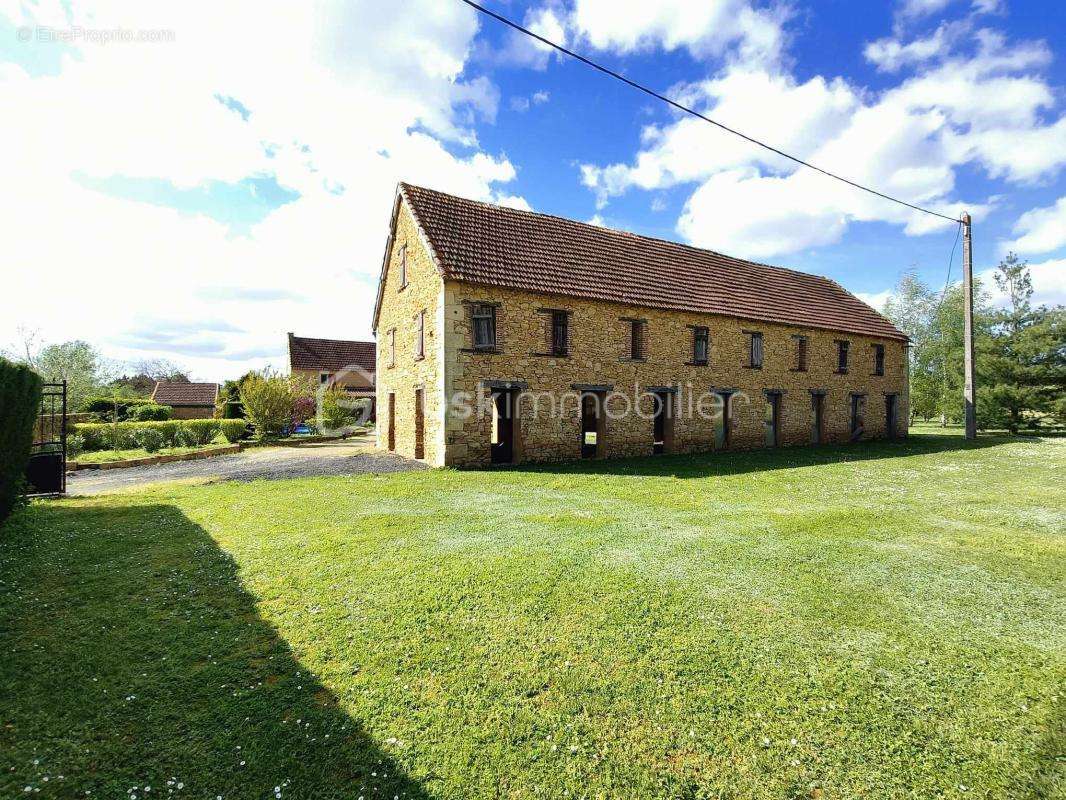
46	471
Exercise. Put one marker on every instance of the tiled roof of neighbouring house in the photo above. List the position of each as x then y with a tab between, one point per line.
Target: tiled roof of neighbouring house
169	393
331	354
487	244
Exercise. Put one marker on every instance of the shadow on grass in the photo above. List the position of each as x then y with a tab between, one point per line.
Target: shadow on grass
133	657
739	462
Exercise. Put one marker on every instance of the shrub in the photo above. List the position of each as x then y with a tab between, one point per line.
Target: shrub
267	401
198	432
340	411
149	439
104	435
150	412
105	407
233	429
20	402
75	445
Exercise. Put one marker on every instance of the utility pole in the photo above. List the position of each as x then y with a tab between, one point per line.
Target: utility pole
967	306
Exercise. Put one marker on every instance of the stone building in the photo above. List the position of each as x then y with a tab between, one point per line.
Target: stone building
342	363
189	400
509	336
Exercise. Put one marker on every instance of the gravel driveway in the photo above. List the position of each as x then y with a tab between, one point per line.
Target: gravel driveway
349	457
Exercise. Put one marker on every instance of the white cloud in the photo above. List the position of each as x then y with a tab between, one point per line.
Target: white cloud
922	8
985	109
526	51
357	95
522	104
890	54
704	28
876	300
1040	230
1049	283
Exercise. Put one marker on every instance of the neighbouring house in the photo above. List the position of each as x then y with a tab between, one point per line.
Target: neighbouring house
189	400
341	363
507	336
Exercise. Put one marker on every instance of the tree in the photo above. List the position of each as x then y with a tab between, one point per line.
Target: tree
1023	360
1013	279
78	363
267	400
911	309
141	379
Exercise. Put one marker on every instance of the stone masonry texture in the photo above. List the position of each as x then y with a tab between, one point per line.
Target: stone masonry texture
458	418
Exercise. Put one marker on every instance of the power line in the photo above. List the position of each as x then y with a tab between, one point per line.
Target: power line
951	259
696	114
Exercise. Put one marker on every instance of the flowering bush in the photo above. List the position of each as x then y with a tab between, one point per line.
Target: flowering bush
267	400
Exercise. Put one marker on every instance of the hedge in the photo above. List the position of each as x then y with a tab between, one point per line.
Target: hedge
106	406
149	412
171	433
20	403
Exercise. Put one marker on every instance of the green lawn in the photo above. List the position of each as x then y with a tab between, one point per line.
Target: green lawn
879	621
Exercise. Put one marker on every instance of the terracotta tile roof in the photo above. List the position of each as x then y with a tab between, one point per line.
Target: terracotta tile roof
185	394
331	354
488	244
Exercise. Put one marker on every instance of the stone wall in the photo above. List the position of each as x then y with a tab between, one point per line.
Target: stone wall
598	354
353	380
399	309
193	412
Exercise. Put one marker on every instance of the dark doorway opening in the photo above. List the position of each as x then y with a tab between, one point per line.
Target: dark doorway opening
663	422
858	407
420	423
772	419
392	421
503	426
890	416
723	421
818	418
593	424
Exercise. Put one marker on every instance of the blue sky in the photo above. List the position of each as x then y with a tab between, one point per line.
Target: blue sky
190	193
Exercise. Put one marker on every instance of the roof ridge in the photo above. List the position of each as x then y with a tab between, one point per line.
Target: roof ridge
601	228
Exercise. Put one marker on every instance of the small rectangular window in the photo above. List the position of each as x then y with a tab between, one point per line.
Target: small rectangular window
636	339
392	347
420	335
879	359
403	266
756	351
323	377
801	354
842	356
701	339
484	319
560	332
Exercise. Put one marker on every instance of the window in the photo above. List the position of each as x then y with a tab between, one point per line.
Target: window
403	266
323	377
560	333
701	345
636	339
879	359
420	335
801	354
484	319
392	347
755	351
842	356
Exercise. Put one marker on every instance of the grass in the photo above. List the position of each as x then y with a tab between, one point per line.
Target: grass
104	456
881	621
